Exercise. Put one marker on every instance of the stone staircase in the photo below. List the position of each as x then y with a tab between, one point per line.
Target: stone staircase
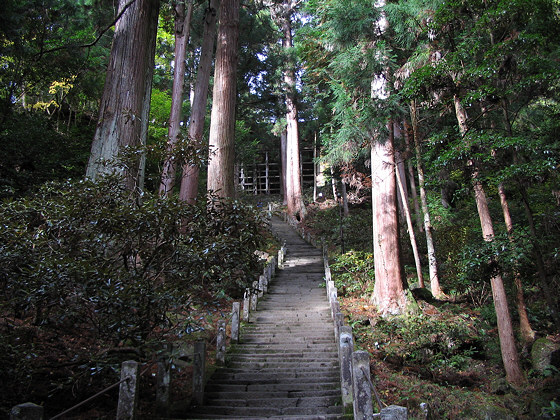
286	363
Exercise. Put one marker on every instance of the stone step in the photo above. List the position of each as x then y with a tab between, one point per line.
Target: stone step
274	394
281	365
276	402
281	348
266	412
294	356
289	386
273	376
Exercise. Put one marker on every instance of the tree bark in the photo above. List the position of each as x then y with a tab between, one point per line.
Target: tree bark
125	103
510	357
412	236
345	210
189	179
182	31
432	256
222	122
284	158
295	204
527	333
411	179
388	293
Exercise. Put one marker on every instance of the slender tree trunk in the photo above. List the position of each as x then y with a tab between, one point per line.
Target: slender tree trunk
411	179
189	180
182	31
399	161
510	356
222	125
406	210
527	333
345	209
296	207
432	257
125	104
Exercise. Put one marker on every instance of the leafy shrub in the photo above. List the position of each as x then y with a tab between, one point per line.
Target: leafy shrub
429	341
353	272
86	268
93	254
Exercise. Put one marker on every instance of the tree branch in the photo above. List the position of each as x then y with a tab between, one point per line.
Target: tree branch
91	44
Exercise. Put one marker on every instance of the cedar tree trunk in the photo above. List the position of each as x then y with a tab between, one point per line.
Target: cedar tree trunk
222	123
125	104
189	180
182	30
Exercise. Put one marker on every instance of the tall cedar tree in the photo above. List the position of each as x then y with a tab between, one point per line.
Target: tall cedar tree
125	104
189	179
182	30
222	122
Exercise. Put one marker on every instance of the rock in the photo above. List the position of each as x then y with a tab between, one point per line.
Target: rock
544	353
500	386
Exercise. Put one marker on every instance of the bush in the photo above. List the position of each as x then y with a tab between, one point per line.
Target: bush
84	252
353	273
428	341
91	260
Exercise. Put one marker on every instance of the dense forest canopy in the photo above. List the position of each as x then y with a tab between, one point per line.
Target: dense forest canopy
438	121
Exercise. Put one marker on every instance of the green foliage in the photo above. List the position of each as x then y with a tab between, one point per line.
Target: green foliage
90	254
428	341
552	411
32	152
353	273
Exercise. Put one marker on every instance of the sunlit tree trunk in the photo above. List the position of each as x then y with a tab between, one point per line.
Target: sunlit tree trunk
182	29
510	356
432	257
411	179
284	159
295	204
401	182
189	180
222	122
125	103
388	292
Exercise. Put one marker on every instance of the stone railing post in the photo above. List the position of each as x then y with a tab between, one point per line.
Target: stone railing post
273	264
246	304
335	308
338	323
236	307
262	286
254	296
361	390
199	370
346	347
27	411
394	412
128	391
163	381
221	342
